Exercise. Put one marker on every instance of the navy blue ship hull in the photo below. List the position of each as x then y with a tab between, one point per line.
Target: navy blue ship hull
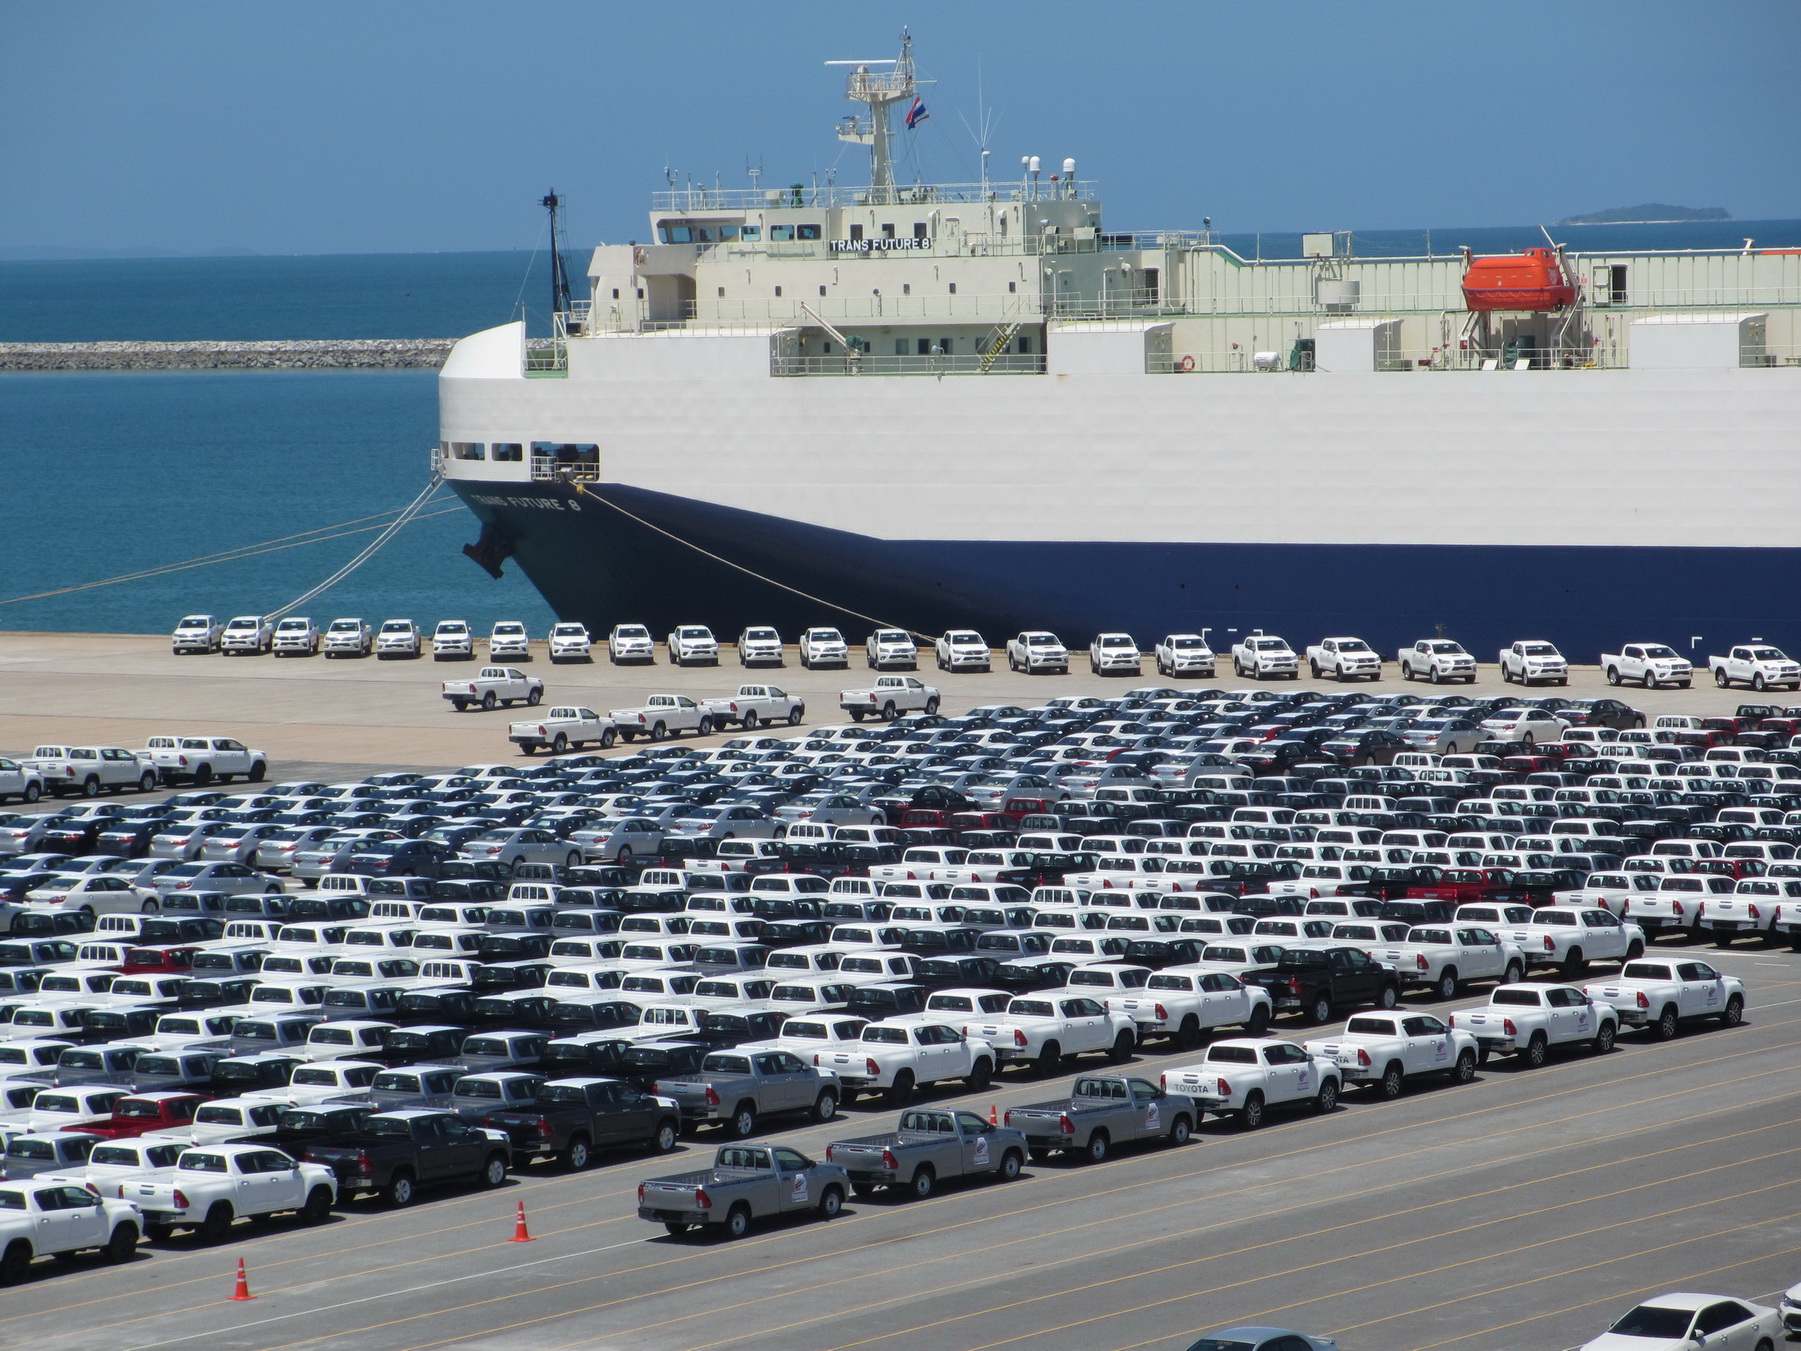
600	566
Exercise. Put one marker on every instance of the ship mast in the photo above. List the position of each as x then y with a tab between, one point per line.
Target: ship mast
559	275
880	92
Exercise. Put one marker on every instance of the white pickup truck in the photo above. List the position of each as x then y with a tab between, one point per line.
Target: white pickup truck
1531	660
197	633
1181	1004
1262	657
1344	659
1650	664
1442	958
1383	1050
562	727
349	638
1043	1029
89	769
888	698
1758	665
1035	650
297	636
661	716
823	647
60	1218
1246	1076
692	644
1528	1019
1437	660
1185	654
213	1185
754	704
1570	937
962	650
494	685
895	1059
452	638
891	647
204	759
248	634
1656	995
1114	654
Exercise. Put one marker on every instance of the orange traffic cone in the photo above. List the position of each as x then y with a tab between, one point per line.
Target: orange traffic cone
243	1290
994	1118
520	1233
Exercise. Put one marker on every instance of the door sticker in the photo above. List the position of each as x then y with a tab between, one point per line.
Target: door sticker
981	1149
1152	1117
799	1193
1443	1050
1303	1080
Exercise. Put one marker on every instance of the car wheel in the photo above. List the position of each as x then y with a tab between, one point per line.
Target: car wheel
1322	1008
1466	1067
1390	1084
750	720
1574	964
1734	1013
1096	1149
1666	1026
1719	677
1123	1046
980	1076
794	716
147	782
831	1203
15	1262
494	1171
1604	1038
664	1140
1250	1116
923	1182
1181	1131
1011	1164
122	1245
607	737
488	701
400	1190
624	857
559	743
32	792
1514	975
1258	1023
578	1155
737	1221
659	731
1447	983
217	1225
901	1093
1536	1050
317	1209
1613	675
744	1120
1050	1059
826	1107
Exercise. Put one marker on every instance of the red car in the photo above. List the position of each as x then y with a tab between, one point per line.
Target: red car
173	960
1464	886
144	1112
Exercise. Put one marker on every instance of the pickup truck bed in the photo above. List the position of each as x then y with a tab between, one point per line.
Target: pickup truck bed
746	1182
1105	1110
929	1146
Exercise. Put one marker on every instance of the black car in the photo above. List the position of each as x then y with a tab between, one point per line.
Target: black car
1374	747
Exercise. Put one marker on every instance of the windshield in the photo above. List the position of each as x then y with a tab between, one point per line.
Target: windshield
1653	1320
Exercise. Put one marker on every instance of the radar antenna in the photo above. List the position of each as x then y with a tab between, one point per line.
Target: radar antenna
880	92
559	275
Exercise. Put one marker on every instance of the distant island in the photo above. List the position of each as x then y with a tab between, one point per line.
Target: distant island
1648	213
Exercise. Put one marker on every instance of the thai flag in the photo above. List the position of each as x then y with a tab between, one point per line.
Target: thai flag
917	113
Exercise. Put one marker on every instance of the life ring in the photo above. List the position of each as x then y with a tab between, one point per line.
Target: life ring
1187	363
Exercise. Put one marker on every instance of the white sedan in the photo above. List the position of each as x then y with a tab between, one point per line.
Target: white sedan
1685	1321
1530	725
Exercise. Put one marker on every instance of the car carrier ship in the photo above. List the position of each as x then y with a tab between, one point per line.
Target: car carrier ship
978	404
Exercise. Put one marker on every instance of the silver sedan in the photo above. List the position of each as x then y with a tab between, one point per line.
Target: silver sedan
726	823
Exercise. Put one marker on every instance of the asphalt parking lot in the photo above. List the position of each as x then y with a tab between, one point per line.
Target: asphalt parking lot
1523	1210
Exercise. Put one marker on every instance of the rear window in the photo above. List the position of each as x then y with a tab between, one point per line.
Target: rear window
1233	1055
1524	998
1646	971
726	1064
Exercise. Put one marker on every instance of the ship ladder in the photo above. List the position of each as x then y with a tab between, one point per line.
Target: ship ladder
997	343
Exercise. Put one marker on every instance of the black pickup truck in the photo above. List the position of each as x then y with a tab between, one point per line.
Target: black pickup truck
1314	982
396	1153
299	1129
573	1117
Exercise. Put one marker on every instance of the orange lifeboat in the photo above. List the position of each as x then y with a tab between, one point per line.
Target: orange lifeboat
1520	281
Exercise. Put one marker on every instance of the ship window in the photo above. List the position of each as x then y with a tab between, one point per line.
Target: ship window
944	346
1616	290
701	236
953	288
675	234
751	232
1012	287
468	450
507	451
1150	275
906	288
728	232
1025	345
828	349
856	232
919	229
806	232
900	347
887	229
822	290
615	293
781	232
722	292
778	293
925	347
640	293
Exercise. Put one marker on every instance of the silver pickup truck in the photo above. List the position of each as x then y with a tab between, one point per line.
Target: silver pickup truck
746	1182
931	1144
1104	1110
736	1087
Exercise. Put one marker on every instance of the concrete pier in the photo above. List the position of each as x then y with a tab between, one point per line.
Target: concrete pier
284	355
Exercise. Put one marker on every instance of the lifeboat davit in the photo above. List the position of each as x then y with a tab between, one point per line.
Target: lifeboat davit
1532	280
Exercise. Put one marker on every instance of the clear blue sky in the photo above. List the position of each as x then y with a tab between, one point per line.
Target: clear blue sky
350	126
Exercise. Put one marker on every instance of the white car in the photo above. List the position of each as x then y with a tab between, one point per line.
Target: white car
1262	656
89	770
1657	994
896	1059
1530	725
692	645
1114	654
1035	650
214	1185
43	1217
452	638
1758	665
1383	1050
962	650
1690	1322
398	638
1245	1076
1344	659
760	646
92	894
349	638
296	636
204	759
1529	1018
570	642
508	638
631	642
1437	660
891	647
1182	654
824	647
1531	660
1650	664
20	781
1043	1029
197	633
248	635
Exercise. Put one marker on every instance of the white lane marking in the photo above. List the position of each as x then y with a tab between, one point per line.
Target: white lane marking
390	1294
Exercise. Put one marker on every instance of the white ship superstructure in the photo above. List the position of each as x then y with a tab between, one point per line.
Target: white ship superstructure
975	404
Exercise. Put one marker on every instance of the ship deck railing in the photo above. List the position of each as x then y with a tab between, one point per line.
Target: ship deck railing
698	198
975	363
1395	360
550	469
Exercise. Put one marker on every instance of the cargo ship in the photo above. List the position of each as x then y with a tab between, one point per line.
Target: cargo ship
981	405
